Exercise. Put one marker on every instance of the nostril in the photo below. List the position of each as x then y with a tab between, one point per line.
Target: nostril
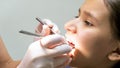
72	29
71	26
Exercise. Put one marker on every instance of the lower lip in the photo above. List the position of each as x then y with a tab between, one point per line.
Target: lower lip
71	54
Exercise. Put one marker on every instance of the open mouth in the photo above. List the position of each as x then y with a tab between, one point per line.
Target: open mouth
71	54
71	40
71	44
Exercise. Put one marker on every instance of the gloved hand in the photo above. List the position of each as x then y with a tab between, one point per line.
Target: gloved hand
49	52
48	28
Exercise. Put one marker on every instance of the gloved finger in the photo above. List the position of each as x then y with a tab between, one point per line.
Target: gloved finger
36	38
39	28
46	30
48	22
55	29
52	25
60	60
59	50
52	40
43	30
36	50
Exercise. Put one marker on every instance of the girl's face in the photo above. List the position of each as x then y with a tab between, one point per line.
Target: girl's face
90	34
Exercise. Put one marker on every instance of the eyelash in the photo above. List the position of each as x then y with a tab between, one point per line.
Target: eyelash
86	22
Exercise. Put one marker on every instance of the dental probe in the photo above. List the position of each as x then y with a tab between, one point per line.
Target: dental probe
34	34
40	21
29	33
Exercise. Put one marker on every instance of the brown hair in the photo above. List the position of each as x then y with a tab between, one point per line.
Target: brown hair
114	7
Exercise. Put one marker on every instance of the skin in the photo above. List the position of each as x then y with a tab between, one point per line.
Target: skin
91	34
5	60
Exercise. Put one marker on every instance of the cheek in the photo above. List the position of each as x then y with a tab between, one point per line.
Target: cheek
90	42
87	37
93	45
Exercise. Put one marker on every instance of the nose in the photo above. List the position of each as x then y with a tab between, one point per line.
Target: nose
71	27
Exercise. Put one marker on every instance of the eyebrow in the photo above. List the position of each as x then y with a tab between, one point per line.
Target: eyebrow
88	14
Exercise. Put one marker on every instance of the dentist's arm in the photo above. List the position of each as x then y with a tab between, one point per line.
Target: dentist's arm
5	60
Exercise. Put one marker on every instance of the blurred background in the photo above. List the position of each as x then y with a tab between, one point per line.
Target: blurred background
16	15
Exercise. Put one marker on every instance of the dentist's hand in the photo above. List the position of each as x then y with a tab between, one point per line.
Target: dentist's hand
46	29
49	52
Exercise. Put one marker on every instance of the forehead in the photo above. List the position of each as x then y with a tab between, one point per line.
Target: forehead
96	7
